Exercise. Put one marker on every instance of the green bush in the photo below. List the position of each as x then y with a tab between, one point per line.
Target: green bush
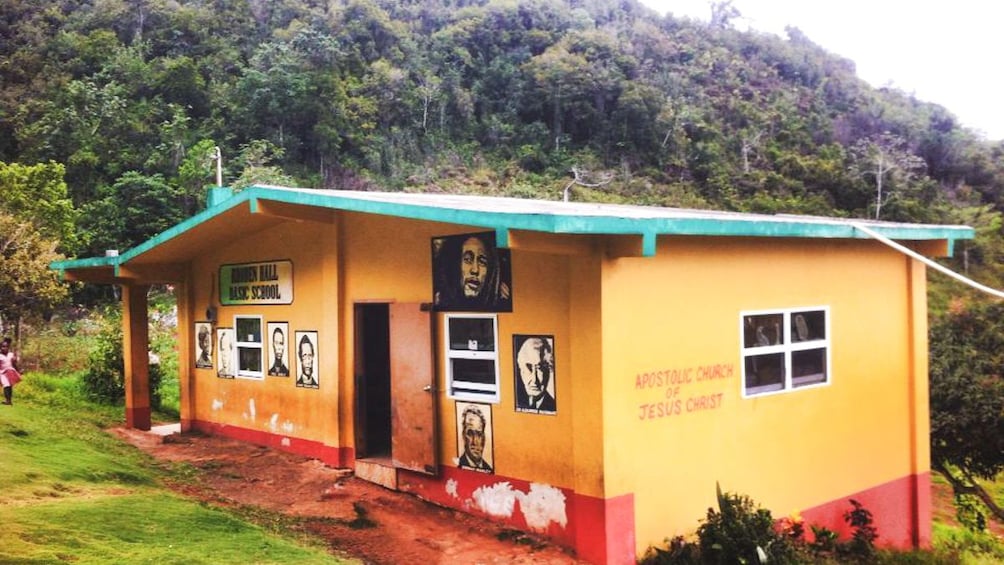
740	532
104	380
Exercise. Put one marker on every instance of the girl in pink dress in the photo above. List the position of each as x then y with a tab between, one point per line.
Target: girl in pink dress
8	370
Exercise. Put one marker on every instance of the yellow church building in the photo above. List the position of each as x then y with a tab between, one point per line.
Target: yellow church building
585	371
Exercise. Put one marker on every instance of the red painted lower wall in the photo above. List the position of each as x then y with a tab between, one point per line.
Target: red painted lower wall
901	512
600	531
333	456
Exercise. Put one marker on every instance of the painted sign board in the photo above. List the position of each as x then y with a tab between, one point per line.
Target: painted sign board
269	282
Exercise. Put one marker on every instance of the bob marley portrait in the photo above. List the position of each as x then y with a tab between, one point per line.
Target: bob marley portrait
471	274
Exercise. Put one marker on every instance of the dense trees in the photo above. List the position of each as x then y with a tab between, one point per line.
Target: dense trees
36	219
130	96
967	397
393	94
27	286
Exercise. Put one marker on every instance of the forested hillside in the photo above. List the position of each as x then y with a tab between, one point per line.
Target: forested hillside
500	97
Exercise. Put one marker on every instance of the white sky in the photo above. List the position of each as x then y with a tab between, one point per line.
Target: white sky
942	52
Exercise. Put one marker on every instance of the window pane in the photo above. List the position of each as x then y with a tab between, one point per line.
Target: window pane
808	326
249	359
472	334
764	329
808	367
765	372
480	371
248	330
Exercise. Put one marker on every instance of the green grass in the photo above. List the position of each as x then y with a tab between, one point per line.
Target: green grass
73	493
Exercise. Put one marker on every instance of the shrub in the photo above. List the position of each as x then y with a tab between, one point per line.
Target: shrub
104	380
969	512
738	532
742	532
862	543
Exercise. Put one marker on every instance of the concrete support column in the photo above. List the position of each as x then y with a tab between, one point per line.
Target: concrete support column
135	354
183	294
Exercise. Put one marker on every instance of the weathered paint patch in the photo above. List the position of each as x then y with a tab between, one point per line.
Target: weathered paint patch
251	409
542	505
285	442
496	500
273	422
217	405
451	488
288	427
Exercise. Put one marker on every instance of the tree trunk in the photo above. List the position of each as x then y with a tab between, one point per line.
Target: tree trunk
968	486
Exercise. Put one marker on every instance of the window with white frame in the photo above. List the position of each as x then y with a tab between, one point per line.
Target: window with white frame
249	346
472	360
785	349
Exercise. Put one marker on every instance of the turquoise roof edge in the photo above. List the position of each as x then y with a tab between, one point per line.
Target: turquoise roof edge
696	223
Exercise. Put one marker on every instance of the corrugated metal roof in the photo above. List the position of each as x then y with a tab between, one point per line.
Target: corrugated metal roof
504	214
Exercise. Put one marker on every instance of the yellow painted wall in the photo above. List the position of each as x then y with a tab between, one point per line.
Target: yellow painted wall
389	259
274	404
680	311
614	320
367	258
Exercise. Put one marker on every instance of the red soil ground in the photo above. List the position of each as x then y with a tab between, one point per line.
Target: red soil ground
407	530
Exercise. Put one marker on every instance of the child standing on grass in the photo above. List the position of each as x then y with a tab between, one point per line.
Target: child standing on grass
8	371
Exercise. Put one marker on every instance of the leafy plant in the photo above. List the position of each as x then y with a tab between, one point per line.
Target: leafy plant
105	377
741	532
862	543
824	541
967	397
970	513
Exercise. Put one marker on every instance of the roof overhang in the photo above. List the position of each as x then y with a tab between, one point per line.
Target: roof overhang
162	258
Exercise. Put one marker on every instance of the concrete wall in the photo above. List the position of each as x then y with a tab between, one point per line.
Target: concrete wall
676	421
629	458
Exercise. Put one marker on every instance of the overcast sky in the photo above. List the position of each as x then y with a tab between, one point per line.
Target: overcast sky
942	52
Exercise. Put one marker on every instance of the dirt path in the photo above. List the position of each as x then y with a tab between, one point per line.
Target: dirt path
405	529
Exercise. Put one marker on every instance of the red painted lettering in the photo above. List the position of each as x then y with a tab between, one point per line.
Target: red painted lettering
704	402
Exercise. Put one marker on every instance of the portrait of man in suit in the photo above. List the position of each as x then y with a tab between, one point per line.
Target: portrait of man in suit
533	365
474	427
280	355
306	355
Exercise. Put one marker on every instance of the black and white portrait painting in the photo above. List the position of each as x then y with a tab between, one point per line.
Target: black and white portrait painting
471	274
305	344
474	437
277	334
203	345
533	368
225	353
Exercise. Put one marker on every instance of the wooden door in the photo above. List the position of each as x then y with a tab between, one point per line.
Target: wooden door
413	389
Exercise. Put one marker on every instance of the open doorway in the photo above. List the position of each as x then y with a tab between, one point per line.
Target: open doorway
372	379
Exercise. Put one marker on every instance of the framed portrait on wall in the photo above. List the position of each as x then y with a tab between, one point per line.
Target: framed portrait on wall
203	345
225	353
307	375
533	368
475	443
470	274
277	334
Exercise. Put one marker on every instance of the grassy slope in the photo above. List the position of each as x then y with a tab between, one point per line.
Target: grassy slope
71	492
